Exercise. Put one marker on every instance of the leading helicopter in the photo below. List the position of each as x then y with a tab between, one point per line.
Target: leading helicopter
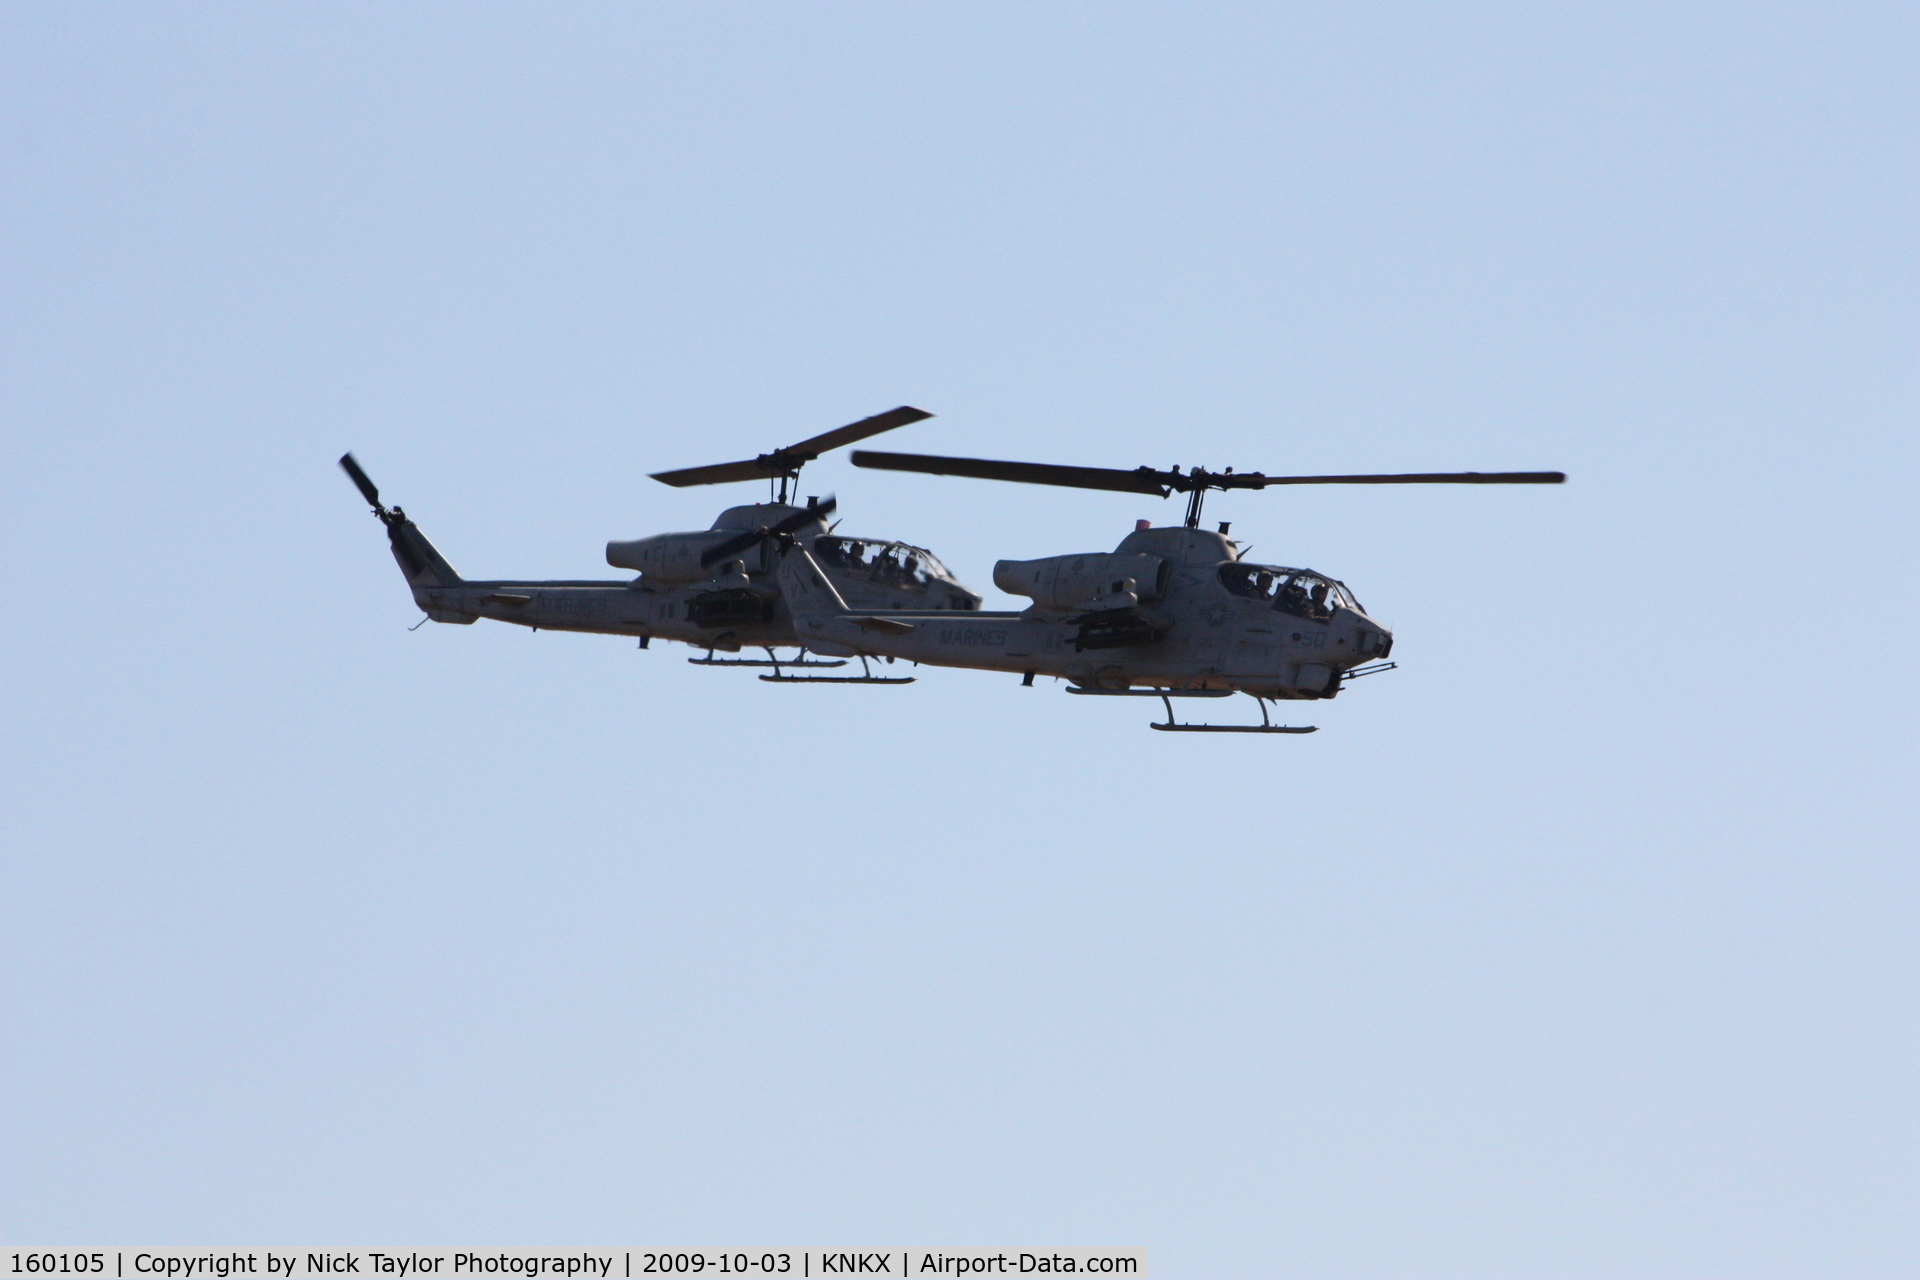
715	589
1170	612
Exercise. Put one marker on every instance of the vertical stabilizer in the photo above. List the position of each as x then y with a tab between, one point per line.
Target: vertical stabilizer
419	560
425	569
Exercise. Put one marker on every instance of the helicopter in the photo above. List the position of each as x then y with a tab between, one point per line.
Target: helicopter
715	589
1172	612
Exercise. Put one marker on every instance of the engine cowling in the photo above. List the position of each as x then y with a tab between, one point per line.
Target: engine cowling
1067	582
673	557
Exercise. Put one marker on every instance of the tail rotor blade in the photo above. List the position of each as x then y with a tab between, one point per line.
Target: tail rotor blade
359	477
731	547
792	524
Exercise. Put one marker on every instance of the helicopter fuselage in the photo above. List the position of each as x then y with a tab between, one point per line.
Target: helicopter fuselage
1199	618
730	606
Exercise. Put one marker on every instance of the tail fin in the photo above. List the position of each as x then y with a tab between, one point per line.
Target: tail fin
426	570
423	565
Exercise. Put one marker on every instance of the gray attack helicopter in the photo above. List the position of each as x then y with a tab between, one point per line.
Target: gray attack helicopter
1170	612
715	589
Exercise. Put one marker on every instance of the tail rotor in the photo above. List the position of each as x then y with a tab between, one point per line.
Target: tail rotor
780	533
367	489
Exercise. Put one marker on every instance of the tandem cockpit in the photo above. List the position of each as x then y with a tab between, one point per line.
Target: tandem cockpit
895	567
1300	592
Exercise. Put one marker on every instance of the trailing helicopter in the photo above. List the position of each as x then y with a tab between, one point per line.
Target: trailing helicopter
715	589
1169	613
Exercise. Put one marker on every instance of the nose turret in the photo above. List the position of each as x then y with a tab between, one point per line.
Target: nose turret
1347	642
1370	641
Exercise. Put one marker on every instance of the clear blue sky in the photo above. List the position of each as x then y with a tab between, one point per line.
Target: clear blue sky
1581	945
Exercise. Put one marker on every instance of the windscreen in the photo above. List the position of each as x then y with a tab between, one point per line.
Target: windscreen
1300	592
878	561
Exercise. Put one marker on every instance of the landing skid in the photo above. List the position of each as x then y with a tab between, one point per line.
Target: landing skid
1265	725
758	662
839	679
867	678
1162	694
771	660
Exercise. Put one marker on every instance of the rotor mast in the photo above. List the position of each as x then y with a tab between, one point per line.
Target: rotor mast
1198	480
783	468
1194	499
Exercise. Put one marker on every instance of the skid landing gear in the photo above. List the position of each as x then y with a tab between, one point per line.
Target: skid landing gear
1162	694
771	660
1265	725
867	678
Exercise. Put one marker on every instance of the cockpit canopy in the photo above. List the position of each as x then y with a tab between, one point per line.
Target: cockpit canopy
888	563
1300	592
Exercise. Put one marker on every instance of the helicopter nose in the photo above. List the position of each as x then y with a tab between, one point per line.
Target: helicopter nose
1371	640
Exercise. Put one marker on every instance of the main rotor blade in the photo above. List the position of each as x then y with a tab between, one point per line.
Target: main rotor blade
719	473
359	477
860	430
1435	477
1141	481
1160	483
794	455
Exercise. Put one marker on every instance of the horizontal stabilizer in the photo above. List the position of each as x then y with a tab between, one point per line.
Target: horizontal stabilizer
885	626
